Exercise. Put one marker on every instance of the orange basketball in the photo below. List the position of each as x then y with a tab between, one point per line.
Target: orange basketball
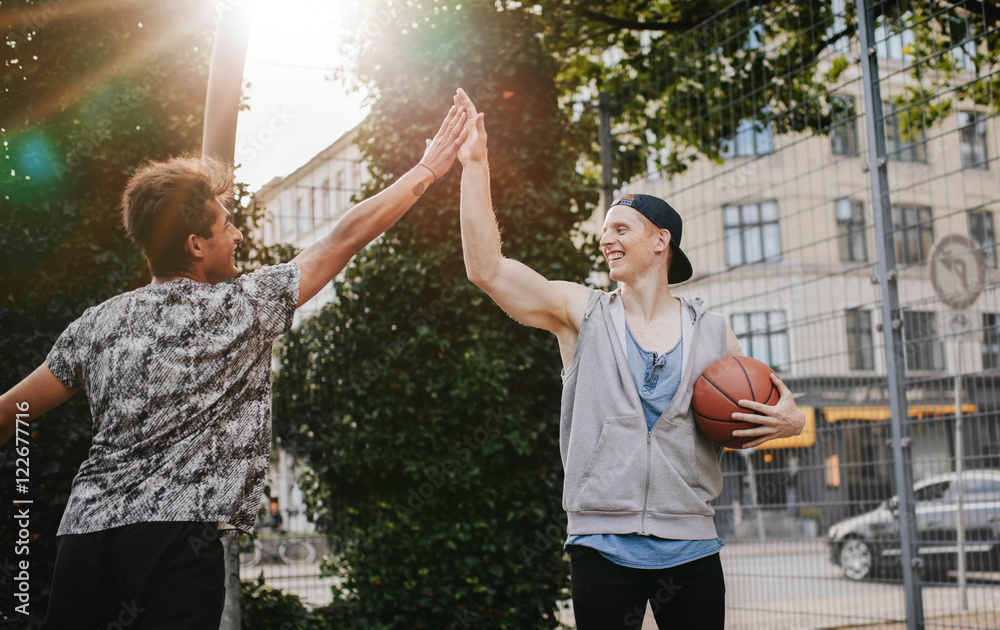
718	390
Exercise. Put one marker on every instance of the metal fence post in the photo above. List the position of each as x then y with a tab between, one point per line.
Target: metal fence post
607	152
892	317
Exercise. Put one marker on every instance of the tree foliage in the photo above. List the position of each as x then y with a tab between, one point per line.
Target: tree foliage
429	418
89	92
682	77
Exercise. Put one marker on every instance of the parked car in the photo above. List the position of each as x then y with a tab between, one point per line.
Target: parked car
869	544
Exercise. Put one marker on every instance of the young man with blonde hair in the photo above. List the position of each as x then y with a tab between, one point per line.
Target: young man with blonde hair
639	475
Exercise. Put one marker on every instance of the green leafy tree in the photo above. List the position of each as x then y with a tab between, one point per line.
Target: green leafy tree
90	91
428	417
689	73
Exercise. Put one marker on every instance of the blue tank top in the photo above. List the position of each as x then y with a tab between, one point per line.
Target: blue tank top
657	379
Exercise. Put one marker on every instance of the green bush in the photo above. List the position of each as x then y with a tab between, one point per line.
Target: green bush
267	608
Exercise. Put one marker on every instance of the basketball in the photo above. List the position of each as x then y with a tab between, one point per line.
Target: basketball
718	390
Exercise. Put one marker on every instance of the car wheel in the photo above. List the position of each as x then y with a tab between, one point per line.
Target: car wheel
856	559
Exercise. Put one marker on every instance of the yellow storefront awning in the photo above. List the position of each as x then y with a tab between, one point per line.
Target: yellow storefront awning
879	414
802	440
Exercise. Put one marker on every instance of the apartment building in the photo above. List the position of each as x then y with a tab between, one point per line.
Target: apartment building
304	206
781	234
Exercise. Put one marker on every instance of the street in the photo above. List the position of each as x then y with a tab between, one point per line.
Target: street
793	585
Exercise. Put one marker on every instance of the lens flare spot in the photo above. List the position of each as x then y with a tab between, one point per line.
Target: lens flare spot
35	157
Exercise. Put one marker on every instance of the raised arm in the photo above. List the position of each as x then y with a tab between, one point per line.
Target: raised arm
39	392
521	292
323	260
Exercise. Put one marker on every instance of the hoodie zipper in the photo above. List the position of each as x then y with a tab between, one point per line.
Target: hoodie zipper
649	434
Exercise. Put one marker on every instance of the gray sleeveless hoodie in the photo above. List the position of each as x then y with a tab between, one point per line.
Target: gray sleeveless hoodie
619	477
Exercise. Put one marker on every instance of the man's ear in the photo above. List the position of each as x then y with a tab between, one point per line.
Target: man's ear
195	246
662	241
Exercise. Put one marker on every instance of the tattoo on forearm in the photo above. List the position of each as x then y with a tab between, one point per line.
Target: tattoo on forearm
418	189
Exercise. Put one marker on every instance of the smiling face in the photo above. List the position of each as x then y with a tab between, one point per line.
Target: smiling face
218	260
631	243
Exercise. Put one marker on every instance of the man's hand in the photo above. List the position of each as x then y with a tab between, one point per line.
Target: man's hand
474	147
323	260
782	419
440	152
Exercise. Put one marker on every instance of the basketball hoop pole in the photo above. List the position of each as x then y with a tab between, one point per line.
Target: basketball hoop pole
218	140
225	79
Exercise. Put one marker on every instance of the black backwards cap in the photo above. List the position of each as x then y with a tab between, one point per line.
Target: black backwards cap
663	216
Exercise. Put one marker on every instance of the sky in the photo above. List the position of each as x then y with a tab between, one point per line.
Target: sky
296	111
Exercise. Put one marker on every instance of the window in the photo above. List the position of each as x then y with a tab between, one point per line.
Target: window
982	489
755	37
923	347
326	198
339	192
860	353
890	44
304	220
966	56
991	341
751	233
913	233
932	492
763	336
753	137
981	231
851	230
839	10
972	131
987	432
844	130
287	218
902	142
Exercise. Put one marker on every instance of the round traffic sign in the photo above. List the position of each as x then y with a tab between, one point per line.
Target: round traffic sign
958	270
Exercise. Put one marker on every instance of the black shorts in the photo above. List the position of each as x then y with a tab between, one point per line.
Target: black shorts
140	577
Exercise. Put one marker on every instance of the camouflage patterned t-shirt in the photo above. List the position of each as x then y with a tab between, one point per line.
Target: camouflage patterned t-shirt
178	376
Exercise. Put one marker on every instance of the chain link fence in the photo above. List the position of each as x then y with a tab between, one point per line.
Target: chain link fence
847	235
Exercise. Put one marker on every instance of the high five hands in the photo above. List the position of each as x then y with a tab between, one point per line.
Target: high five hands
441	151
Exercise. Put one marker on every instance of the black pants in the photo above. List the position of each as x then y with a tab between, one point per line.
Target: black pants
141	577
608	596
